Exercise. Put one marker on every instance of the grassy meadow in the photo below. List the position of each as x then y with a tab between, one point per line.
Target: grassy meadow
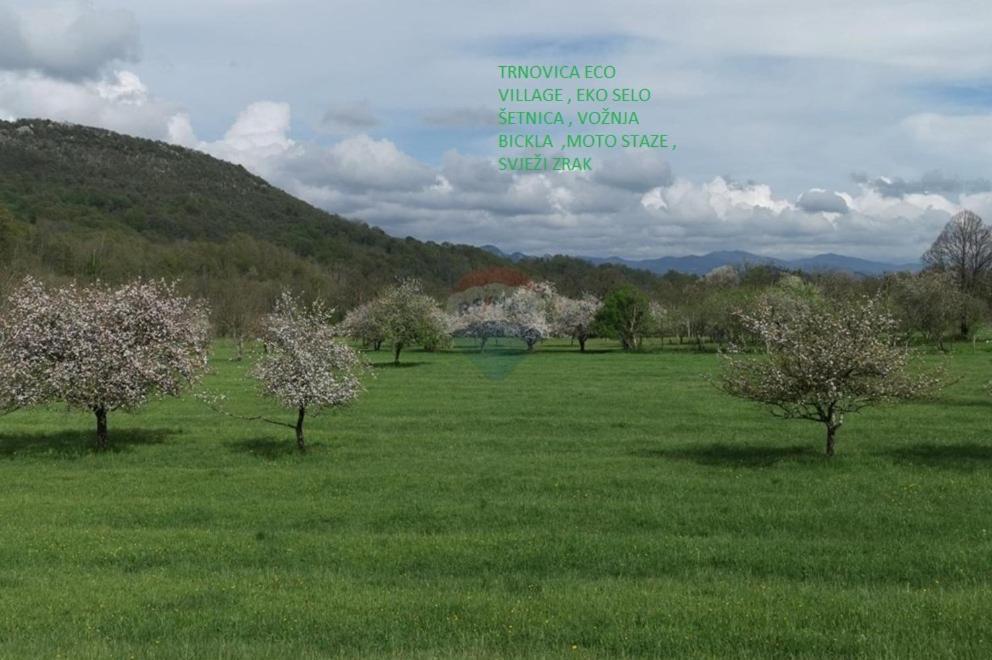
554	504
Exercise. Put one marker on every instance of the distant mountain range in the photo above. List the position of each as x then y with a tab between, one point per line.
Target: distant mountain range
701	264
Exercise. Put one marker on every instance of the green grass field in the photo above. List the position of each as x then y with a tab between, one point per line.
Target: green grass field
551	505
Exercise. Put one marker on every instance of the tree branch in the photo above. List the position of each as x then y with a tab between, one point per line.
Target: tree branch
255	418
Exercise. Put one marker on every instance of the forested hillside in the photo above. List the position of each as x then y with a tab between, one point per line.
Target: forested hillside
86	203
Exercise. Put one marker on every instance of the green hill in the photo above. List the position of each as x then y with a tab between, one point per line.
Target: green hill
86	203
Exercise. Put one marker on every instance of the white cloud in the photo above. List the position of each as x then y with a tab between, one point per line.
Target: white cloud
818	200
791	96
179	130
262	125
259	140
119	102
70	40
467	199
125	87
615	210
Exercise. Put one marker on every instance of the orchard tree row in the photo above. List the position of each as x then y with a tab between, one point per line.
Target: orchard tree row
105	349
814	349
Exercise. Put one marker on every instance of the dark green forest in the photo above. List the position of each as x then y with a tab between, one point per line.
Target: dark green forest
88	204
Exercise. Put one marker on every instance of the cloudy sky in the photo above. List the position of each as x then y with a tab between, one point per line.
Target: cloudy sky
802	127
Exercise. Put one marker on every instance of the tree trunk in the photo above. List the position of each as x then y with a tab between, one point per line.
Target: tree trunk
300	444
240	353
582	344
831	437
396	358
101	426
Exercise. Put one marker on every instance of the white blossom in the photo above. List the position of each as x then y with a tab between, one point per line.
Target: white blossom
823	360
576	317
529	310
482	320
409	316
525	312
98	348
365	323
305	368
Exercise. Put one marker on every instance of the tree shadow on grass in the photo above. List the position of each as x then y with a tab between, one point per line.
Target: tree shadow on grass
393	365
965	456
271	448
961	403
491	349
77	443
555	351
736	455
498	355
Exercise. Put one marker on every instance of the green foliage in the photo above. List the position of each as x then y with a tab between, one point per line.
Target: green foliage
823	360
719	315
84	203
931	305
409	316
625	315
